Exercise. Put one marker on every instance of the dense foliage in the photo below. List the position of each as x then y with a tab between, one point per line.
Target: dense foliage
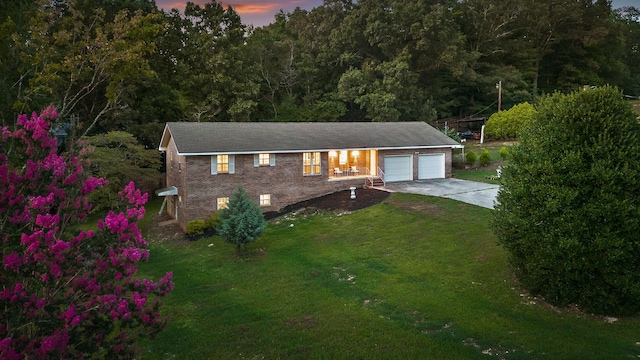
242	222
507	124
119	157
67	293
567	211
128	66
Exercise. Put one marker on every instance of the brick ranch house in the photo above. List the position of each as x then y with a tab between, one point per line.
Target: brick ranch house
280	164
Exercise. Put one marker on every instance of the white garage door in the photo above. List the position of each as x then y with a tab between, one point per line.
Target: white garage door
431	166
398	168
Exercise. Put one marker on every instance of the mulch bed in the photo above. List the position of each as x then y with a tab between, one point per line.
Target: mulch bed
340	200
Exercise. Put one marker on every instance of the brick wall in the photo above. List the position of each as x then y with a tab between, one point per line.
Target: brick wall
284	182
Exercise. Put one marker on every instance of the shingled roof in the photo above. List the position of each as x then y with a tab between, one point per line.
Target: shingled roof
195	138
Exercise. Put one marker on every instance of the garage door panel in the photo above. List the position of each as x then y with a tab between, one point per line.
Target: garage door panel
398	168
431	166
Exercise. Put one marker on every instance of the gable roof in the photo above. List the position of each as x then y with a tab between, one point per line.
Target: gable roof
196	138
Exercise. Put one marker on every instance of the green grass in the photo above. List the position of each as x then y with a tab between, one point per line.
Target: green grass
477	172
414	277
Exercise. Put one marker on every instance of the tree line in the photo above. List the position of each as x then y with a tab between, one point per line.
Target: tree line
125	65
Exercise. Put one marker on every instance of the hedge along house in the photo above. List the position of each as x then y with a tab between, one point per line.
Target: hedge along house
280	164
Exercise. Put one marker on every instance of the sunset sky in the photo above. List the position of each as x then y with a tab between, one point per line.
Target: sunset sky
260	13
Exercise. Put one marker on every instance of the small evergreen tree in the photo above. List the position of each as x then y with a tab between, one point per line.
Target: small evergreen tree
568	210
242	222
485	157
504	153
470	157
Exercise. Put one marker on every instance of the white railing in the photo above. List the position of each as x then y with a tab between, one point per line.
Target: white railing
372	178
381	176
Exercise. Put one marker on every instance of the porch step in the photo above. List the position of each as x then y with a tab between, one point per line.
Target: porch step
374	182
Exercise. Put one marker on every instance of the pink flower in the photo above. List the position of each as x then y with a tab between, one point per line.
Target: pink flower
91	184
12	261
68	314
54	270
47	221
138	300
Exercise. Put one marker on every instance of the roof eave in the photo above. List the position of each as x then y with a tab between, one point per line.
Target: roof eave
206	153
166	136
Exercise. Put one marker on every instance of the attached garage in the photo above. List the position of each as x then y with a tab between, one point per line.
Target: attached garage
431	166
398	168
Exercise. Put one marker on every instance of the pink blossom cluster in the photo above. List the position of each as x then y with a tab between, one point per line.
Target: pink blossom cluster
66	294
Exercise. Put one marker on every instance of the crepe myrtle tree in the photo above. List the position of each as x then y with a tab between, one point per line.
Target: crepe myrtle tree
65	292
242	222
568	211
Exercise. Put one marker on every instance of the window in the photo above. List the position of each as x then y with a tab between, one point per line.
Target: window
222	203
222	164
311	163
265	200
264	159
343	157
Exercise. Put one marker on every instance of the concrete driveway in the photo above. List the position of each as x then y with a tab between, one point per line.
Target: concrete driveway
471	192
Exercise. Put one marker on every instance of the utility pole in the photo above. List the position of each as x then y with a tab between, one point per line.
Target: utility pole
499	87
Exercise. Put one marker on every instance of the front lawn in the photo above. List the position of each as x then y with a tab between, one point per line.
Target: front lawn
414	277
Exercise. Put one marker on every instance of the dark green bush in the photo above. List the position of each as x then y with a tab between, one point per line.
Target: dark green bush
504	153
213	221
196	227
568	211
470	157
485	157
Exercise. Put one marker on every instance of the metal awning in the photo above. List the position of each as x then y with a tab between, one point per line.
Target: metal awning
171	190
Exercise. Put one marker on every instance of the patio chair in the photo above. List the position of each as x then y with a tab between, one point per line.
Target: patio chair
354	170
337	171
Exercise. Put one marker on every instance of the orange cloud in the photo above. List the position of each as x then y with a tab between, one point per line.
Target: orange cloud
255	8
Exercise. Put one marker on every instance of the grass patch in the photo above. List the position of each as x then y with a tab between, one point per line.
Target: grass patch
412	277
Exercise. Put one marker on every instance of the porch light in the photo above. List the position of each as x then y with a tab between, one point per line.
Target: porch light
332	153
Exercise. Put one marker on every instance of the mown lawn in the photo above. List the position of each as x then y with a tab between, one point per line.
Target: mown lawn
414	277
477	172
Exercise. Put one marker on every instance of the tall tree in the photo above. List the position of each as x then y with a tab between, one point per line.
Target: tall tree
203	55
93	62
14	73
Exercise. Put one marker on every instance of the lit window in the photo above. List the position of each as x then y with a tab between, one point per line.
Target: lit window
223	203
311	163
343	157
265	200
265	159
223	164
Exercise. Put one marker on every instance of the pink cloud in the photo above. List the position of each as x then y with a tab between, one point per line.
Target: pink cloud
255	8
254	12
